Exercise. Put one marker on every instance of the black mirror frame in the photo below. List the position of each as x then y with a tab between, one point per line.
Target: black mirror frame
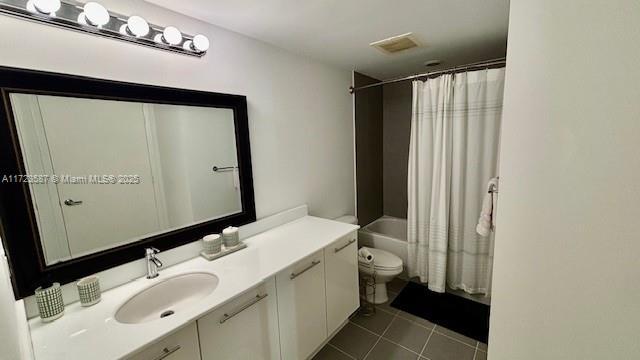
18	227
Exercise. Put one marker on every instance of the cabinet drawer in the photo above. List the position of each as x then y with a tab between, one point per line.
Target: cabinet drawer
181	345
302	307
244	329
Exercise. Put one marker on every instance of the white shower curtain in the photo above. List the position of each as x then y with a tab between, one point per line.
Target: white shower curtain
453	152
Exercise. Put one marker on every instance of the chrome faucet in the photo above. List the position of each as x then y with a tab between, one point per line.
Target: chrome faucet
153	263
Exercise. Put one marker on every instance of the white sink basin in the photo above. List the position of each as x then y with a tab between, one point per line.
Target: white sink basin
166	297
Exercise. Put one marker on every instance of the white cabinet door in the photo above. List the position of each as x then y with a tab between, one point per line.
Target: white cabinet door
181	345
302	307
341	273
243	329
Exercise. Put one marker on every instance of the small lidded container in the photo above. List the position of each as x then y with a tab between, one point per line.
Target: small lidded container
230	236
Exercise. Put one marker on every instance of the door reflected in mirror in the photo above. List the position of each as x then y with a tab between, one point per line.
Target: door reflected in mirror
105	173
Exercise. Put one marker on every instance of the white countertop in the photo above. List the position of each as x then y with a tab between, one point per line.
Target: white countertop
93	333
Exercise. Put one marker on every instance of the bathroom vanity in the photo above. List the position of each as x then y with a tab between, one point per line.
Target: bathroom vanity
281	298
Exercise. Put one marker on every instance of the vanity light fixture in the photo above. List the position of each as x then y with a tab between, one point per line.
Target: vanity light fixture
135	26
47	7
93	18
94	14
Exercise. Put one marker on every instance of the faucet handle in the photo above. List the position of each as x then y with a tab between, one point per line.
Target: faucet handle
152	251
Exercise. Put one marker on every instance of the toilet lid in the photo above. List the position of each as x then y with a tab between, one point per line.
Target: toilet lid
384	259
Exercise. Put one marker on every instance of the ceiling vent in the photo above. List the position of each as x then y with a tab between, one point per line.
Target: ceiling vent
396	44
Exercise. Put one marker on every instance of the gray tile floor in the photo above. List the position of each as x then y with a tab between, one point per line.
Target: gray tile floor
392	334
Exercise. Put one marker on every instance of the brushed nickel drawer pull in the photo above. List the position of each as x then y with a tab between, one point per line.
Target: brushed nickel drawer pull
295	275
226	317
166	352
345	245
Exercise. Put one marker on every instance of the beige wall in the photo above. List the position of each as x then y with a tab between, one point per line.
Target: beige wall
567	248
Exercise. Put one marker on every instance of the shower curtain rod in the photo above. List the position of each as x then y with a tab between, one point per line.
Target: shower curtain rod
455	69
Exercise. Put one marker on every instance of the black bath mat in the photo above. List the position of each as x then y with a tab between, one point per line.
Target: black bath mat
461	315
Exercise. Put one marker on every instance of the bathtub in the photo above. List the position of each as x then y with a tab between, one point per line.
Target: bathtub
386	233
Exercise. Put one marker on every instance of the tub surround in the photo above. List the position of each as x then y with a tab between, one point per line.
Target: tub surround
83	331
368	144
396	133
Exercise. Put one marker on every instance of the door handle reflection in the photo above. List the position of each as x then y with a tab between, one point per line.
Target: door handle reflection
71	202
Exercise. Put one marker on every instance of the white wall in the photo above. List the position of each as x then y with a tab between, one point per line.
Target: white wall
14	338
9	340
567	248
299	109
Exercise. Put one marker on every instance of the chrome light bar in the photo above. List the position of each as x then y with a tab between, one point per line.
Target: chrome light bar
93	18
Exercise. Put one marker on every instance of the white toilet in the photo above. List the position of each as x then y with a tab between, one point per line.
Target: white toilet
386	266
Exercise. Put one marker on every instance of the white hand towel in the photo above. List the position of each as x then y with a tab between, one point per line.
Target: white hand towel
365	255
486	221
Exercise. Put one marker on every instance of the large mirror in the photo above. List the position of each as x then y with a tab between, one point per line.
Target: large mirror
106	168
104	173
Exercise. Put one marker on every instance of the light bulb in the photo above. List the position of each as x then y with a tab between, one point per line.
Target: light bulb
48	7
94	14
135	26
200	43
171	35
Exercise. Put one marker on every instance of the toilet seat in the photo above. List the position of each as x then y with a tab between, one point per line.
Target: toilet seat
380	272
383	261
